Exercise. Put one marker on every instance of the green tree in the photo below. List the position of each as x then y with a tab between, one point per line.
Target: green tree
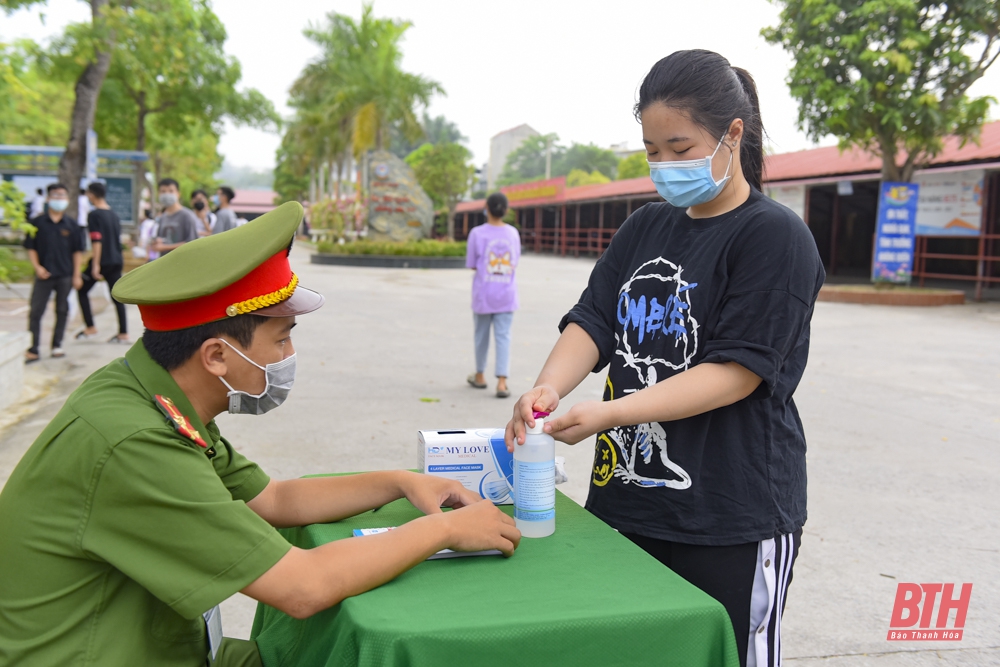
588	158
319	135
12	206
360	70
291	171
633	166
889	76
578	177
354	96
167	65
436	130
34	110
527	162
443	171
94	59
191	158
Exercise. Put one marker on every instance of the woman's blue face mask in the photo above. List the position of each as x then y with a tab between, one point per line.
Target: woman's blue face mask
685	183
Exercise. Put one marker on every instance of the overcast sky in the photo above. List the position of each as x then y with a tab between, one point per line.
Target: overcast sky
572	68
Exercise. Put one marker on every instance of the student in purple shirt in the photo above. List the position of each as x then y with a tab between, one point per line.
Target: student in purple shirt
493	252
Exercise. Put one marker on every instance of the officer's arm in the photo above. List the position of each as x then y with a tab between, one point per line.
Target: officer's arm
306	581
299	502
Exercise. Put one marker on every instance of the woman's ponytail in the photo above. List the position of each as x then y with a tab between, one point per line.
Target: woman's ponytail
713	94
752	149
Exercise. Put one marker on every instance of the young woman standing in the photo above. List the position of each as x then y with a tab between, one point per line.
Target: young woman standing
493	252
700	309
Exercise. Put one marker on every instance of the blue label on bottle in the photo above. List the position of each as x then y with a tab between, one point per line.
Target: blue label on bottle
534	490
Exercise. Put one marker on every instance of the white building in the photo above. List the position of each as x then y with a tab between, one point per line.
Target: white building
502	145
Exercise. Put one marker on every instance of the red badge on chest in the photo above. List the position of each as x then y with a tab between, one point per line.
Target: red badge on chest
180	422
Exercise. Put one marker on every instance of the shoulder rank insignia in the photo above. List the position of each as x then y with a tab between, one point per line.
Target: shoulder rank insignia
180	422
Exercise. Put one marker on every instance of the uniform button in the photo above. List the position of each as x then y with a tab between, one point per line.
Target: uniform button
761	629
767	563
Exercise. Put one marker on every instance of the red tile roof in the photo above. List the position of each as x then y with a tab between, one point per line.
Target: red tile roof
830	161
632	186
812	163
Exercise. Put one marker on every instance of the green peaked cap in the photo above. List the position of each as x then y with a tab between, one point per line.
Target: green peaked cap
209	264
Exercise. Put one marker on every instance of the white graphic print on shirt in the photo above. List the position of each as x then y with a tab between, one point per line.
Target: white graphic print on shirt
642	318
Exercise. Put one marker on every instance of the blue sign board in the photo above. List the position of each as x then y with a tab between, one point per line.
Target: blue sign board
119	197
895	230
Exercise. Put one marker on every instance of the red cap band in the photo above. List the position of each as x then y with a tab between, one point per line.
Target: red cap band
271	276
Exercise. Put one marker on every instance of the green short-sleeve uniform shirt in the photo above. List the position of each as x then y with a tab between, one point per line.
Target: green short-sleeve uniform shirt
119	531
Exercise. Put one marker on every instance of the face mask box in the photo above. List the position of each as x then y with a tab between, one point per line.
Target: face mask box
476	457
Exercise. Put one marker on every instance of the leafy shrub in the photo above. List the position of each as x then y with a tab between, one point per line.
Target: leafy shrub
14	270
329	214
421	248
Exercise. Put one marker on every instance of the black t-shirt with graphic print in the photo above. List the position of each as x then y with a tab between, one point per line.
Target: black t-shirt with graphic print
672	292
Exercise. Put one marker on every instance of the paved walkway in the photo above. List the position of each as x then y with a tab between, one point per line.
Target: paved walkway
901	408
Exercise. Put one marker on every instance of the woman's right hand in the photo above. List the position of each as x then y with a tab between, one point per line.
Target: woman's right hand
542	398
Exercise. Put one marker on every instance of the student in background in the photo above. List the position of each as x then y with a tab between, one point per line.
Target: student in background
82	208
176	225
225	216
493	252
105	264
37	204
55	252
201	208
147	236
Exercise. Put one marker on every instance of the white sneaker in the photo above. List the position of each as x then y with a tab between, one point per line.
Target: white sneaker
58	352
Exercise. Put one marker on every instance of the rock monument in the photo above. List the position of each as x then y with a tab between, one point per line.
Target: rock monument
398	209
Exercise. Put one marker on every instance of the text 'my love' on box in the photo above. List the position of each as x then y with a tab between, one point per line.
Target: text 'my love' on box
476	457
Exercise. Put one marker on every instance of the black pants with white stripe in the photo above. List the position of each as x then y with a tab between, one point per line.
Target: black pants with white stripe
750	580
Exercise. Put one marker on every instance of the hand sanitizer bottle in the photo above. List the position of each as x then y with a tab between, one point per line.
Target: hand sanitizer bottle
535	482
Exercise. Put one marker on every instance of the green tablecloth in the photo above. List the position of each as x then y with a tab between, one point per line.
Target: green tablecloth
584	596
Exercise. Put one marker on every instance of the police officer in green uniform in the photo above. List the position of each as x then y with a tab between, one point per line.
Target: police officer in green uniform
131	518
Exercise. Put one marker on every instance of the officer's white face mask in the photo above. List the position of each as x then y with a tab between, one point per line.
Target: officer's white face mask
279	376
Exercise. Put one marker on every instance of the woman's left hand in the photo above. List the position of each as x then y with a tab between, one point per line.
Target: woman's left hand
583	420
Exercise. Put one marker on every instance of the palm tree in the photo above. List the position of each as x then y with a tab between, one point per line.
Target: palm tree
358	79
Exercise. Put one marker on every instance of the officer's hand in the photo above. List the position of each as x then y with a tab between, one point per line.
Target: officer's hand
95	271
479	527
42	273
429	493
542	398
77	281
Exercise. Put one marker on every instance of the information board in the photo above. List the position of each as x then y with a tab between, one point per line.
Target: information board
951	204
892	260
120	198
